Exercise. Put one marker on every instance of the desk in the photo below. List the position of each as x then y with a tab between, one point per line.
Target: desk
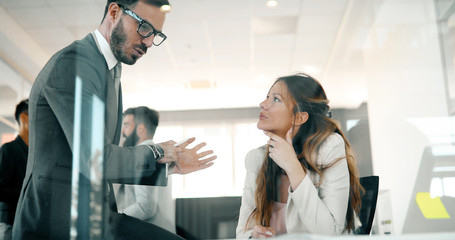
420	236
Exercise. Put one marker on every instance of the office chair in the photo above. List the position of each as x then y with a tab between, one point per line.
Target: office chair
368	207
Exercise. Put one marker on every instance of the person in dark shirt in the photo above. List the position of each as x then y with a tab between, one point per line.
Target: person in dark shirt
13	162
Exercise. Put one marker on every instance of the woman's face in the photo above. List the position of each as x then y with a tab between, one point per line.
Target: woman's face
276	115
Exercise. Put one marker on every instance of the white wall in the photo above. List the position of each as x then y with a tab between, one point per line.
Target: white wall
405	80
14	81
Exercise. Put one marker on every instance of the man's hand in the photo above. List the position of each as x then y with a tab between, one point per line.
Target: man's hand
189	160
170	152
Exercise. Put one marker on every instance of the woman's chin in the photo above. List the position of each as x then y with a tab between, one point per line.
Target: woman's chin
261	127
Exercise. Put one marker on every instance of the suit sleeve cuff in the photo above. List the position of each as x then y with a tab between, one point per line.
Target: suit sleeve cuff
157	150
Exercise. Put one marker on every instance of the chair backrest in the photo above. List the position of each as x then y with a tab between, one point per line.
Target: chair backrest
368	207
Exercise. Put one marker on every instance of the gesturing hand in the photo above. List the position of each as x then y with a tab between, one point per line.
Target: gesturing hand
170	152
281	150
189	160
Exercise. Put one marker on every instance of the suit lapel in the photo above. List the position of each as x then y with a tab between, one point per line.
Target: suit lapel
112	109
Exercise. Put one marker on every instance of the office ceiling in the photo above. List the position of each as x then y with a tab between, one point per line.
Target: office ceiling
219	54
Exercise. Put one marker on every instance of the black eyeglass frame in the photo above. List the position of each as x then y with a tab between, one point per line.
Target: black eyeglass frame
141	22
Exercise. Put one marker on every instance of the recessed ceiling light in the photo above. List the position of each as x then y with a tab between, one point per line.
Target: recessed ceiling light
165	8
200	84
311	70
272	3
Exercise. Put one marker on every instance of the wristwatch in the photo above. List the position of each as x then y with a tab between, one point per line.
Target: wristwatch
157	150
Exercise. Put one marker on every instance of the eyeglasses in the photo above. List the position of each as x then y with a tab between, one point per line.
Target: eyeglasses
145	29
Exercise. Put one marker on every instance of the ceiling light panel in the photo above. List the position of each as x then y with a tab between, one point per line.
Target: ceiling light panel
22	3
79	15
317	23
323	7
222	9
284	8
27	17
59	36
274	25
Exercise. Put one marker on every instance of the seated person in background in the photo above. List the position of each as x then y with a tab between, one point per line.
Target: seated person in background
305	180
149	203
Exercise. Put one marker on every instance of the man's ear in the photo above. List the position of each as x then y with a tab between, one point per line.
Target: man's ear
114	12
301	118
23	118
140	129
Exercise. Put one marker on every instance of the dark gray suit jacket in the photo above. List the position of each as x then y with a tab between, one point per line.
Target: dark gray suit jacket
43	211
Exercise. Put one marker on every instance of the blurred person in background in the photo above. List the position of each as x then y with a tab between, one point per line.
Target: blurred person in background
13	162
153	204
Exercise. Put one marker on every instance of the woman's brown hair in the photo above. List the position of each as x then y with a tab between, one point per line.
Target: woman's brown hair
307	95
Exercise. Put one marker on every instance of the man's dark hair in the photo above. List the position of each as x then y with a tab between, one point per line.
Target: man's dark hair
148	117
132	3
21	107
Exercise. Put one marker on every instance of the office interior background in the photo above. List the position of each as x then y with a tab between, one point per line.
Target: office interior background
387	67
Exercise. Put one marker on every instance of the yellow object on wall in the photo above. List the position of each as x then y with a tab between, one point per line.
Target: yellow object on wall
431	208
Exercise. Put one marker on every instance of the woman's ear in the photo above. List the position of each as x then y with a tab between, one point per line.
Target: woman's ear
301	118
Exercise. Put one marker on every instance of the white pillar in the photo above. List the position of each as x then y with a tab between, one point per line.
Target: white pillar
405	80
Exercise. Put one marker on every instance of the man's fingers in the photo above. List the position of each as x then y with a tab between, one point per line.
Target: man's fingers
170	142
206	160
186	143
205	153
204	166
199	146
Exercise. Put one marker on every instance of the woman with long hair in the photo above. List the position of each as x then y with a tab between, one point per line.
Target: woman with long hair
305	179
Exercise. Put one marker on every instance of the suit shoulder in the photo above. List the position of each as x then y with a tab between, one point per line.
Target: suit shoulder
332	147
83	49
333	140
6	151
8	145
81	58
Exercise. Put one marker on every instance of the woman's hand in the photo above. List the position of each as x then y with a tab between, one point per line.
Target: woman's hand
281	151
263	232
283	154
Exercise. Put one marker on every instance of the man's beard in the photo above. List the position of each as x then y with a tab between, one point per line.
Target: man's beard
131	140
118	40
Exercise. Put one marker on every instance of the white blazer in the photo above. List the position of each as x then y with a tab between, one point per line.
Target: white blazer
310	208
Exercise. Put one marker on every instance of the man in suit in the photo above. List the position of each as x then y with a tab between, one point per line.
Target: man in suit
13	160
153	204
128	29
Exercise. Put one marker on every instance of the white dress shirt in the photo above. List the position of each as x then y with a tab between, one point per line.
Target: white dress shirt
149	203
310	208
105	49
